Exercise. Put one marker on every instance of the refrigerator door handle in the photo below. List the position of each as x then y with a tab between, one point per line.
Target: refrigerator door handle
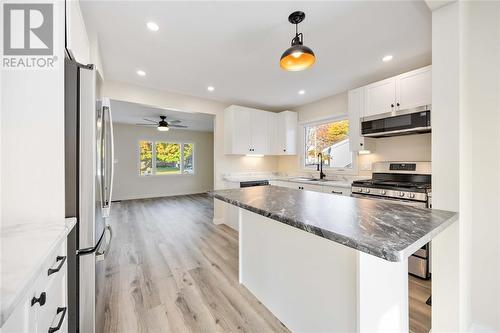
90	250
112	162
108	188
101	255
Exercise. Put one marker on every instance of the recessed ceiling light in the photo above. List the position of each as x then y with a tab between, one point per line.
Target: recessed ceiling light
210	88
302	92
141	73
152	26
387	58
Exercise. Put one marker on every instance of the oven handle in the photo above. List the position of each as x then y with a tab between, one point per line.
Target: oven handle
395	200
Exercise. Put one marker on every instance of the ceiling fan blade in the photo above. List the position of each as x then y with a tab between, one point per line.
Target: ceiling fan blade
147	125
150	120
174	121
178	126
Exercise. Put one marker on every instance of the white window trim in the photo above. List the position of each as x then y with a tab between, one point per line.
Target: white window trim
326	169
153	157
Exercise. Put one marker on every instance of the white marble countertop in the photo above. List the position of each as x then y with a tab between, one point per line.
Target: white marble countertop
337	183
344	181
24	248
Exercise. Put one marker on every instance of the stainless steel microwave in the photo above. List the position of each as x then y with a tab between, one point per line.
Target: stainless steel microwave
398	124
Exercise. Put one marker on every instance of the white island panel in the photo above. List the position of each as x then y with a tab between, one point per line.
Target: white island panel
307	282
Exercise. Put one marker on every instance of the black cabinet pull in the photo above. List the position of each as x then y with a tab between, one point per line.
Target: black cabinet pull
392	105
397	104
336	192
61	320
58	268
42	299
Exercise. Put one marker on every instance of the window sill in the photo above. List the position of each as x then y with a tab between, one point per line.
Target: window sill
169	174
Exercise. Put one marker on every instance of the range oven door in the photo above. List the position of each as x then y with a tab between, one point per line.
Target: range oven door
421	204
397	125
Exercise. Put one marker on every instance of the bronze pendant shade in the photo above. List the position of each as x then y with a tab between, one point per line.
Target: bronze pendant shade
297	57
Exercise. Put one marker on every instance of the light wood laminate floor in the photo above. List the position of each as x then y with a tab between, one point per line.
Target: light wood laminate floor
170	269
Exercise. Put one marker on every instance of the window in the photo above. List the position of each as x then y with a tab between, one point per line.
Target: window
332	140
165	158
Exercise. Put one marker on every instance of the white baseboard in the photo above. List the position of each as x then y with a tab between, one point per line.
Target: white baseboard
218	220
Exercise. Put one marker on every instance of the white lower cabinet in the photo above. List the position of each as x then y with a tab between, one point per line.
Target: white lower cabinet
44	308
311	187
307	187
337	190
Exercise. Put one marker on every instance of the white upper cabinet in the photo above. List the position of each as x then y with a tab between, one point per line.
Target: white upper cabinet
355	105
406	91
286	132
237	136
77	42
259	132
414	89
379	97
252	131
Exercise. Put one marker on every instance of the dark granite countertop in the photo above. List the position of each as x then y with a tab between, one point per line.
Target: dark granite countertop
382	228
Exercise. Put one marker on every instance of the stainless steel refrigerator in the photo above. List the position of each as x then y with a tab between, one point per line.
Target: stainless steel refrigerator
89	179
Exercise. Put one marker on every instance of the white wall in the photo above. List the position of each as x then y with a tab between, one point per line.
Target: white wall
466	146
445	180
404	148
128	184
480	159
32	138
162	99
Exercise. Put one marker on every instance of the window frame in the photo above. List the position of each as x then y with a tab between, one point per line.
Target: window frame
153	158
326	169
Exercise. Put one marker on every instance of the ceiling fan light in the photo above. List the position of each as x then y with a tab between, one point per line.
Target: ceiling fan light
297	58
163	128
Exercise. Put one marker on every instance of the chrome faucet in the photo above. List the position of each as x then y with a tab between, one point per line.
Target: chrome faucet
320	166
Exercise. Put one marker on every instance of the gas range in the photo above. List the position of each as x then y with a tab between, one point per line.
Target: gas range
407	182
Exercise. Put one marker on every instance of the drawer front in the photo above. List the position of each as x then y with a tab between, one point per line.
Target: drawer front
50	315
337	190
307	187
38	311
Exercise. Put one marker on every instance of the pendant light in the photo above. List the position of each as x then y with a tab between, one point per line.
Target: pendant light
298	57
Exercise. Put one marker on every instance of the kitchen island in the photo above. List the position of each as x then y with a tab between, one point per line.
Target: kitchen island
331	263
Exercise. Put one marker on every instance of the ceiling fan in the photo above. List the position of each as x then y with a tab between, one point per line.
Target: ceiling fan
163	125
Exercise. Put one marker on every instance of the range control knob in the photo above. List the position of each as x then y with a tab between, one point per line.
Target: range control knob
412	195
367	190
383	192
360	190
401	194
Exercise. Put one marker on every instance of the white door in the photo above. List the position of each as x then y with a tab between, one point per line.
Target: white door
259	132
414	89
241	129
288	132
354	110
274	130
380	97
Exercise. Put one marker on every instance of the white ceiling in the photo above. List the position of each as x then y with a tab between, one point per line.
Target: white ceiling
236	45
133	113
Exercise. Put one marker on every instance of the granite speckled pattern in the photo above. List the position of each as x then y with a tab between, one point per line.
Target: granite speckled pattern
381	228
